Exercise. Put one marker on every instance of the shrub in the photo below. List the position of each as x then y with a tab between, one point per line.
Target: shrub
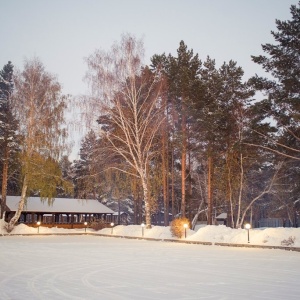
7	228
177	227
288	242
98	224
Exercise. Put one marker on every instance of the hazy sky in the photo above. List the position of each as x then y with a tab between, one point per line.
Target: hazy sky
62	32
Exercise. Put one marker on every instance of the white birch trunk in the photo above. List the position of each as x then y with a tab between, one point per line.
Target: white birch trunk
20	208
147	204
238	221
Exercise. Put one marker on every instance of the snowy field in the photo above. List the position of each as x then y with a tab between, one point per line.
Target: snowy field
92	267
95	267
213	234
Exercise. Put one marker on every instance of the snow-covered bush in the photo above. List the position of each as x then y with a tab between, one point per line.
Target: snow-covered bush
98	224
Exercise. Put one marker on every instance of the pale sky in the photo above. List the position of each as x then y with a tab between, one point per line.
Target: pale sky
62	32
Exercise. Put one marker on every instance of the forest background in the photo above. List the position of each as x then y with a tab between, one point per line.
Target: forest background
179	135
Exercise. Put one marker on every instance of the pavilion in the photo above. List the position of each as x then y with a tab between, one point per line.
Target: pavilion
58	211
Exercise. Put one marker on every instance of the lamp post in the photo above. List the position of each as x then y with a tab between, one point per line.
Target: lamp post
112	227
185	227
248	226
38	223
85	226
143	225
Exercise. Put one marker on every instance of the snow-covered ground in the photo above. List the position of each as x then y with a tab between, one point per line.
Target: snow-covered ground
96	267
214	234
91	267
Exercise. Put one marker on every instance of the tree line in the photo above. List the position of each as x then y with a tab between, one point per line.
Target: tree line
180	135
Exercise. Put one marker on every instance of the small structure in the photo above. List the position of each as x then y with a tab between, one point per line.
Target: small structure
221	219
158	218
59	211
124	218
274	222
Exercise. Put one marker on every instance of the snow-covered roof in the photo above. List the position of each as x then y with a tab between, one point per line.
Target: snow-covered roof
222	216
59	205
121	212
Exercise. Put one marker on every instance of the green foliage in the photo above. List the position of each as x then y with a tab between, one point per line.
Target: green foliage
45	176
282	62
8	123
9	141
39	107
282	105
177	227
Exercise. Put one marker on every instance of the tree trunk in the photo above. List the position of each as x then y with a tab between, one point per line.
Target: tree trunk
135	209
195	219
140	208
209	191
238	217
173	185
190	190
119	211
20	208
183	163
172	161
146	201
229	192
4	183
164	176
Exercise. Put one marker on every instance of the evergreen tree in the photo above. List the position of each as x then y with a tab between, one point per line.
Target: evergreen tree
182	74
85	178
282	105
282	63
8	127
66	169
222	125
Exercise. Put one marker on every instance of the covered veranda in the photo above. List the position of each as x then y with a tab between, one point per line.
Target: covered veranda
60	212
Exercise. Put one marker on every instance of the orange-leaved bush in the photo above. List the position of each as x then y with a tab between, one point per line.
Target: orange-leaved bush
177	226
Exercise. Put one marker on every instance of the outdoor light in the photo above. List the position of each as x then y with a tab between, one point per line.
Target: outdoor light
143	225
85	224
38	223
185	227
248	226
112	227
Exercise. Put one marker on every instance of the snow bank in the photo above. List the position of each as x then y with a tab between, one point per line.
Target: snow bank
157	232
209	233
258	236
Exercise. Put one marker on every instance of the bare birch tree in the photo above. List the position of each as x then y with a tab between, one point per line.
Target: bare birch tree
39	108
127	96
240	160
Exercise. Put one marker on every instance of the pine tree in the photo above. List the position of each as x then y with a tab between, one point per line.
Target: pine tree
282	105
8	127
282	62
85	177
182	73
65	166
222	122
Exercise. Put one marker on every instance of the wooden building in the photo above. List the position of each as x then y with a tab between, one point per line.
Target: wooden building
59	211
121	218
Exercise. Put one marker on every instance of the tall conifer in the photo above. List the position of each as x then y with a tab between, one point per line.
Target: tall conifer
8	127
